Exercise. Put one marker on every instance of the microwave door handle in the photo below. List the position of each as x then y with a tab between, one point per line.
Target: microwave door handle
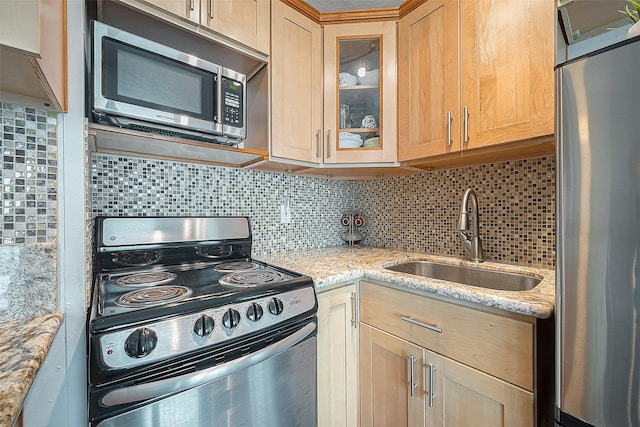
218	89
185	382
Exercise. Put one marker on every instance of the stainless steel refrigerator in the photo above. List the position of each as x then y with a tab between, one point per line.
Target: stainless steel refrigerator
598	242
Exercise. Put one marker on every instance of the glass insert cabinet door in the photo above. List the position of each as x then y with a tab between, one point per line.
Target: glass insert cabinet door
359	86
360	102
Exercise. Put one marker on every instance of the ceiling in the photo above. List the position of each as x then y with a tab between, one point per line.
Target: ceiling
338	5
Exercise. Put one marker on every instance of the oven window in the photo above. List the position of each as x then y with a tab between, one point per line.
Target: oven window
146	79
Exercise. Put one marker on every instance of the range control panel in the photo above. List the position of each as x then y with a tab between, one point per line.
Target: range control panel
158	340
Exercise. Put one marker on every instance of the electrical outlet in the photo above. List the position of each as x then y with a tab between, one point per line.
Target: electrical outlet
285	213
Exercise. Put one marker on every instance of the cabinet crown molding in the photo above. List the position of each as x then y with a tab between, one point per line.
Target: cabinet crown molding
349	16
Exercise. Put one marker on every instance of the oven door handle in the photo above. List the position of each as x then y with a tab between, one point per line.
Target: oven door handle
167	386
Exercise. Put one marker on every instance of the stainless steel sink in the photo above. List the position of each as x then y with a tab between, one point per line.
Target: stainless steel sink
490	279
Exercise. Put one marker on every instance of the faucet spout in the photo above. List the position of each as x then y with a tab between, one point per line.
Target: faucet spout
473	244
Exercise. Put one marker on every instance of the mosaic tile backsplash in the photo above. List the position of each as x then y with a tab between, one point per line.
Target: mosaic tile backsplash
131	187
29	220
29	175
418	212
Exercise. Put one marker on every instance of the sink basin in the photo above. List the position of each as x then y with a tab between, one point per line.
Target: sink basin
497	280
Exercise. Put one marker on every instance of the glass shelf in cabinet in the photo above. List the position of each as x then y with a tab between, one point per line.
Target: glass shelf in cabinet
359	87
360	130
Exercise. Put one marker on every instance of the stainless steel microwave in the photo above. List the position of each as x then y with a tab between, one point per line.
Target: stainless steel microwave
144	85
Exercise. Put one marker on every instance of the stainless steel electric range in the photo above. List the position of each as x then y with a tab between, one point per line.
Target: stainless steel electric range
186	329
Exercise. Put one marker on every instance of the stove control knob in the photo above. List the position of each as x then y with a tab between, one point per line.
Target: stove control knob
231	318
275	306
254	312
203	326
140	343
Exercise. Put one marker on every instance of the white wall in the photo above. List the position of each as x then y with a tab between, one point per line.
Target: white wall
58	396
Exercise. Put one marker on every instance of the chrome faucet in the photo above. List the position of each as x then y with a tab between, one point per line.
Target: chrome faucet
473	245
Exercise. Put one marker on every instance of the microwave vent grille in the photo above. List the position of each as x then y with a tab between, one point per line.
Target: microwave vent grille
158	131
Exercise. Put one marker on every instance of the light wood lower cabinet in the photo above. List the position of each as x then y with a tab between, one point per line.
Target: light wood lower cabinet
458	395
337	358
387	366
428	362
406	385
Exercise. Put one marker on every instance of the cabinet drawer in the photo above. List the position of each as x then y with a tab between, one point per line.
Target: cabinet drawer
500	346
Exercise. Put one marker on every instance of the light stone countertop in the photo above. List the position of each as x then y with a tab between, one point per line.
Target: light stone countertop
23	346
331	266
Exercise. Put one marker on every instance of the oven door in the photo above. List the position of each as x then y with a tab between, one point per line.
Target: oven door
272	386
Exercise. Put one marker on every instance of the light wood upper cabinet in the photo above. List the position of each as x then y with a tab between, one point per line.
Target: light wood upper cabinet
296	86
337	358
33	52
507	79
347	47
500	91
428	83
306	94
246	21
189	9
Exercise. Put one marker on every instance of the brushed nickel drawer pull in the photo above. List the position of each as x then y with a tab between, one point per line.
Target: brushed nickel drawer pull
434	328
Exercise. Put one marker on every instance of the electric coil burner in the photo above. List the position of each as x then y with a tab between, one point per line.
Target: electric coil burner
181	312
154	296
146	279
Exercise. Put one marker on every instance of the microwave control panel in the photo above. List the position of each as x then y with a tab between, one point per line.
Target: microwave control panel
232	103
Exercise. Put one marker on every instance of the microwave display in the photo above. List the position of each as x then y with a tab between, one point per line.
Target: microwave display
144	78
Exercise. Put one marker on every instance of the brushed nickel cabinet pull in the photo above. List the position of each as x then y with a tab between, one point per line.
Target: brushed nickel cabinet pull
318	143
434	328
412	383
432	395
211	9
328	143
191	5
449	119
466	124
354	318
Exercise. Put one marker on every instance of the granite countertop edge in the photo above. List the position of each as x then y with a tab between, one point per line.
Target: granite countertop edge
24	344
329	267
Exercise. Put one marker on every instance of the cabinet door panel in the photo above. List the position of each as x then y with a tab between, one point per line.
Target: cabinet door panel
189	9
507	69
463	396
296	85
337	358
387	151
246	21
428	85
385	380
